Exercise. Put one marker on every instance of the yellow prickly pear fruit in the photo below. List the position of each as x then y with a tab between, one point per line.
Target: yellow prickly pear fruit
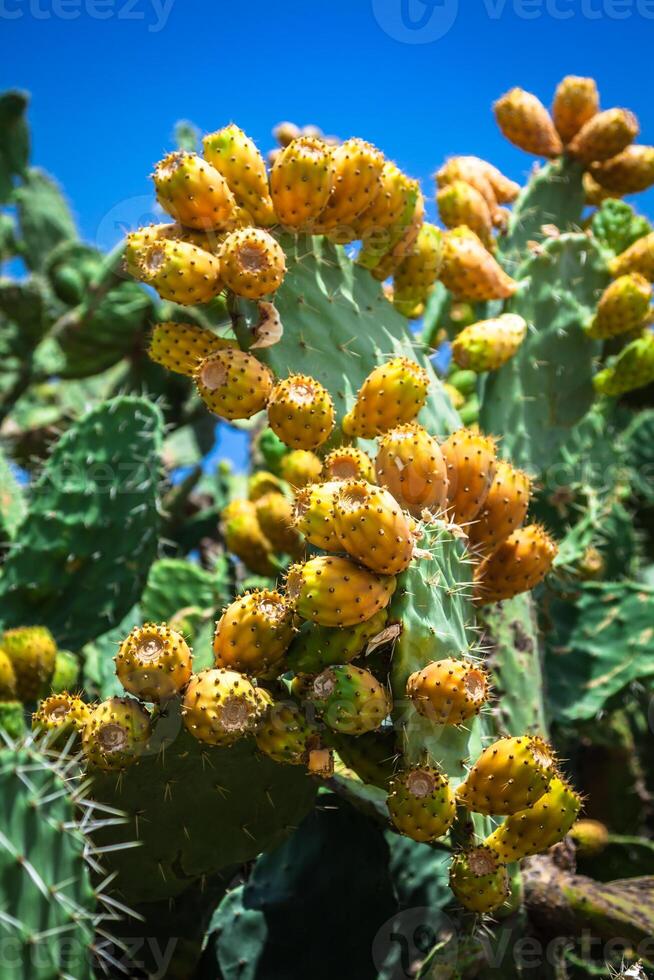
180	272
488	344
348	463
285	734
7	678
194	192
314	514
32	652
505	190
471	460
181	346
252	263
541	825
245	539
417	273
137	241
633	368
459	203
372	527
469	270
275	517
300	468
623	307
421	803
604	136
286	132
385	218
590	836
627	173
254	633
509	775
449	691
357	170
61	713
526	123
235	156
478	880
233	384
116	733
402	244
301	181
301	412
351	700
391	394
261	483
154	663
575	102
335	591
411	465
639	257
519	563
491	183
594	193
504	509
220	706
458	400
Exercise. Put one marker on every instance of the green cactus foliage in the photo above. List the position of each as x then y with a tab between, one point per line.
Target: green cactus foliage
44	216
12	500
66	672
553	197
174	584
14	141
12	721
616	226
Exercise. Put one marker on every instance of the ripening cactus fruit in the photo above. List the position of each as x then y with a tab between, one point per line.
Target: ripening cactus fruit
469	270
575	102
300	468
194	192
63	714
519	563
503	510
391	394
254	633
262	483
604	136
180	347
411	466
318	647
243	536
275	515
417	273
154	663
357	168
235	156
623	307
301	412
348	463
421	803
460	203
7	678
314	514
383	222
180	272
590	837
285	734
32	651
301	182
372	527
252	263
116	733
233	384
488	344
479	881
508	776
220	706
543	824
629	172
334	591
633	368
449	692
350	699
639	257
527	124
471	171
471	460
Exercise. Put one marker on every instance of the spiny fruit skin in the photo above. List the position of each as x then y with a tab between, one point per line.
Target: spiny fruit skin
261	483
154	663
590	836
449	692
469	170
253	633
504	509
252	263
357	169
220	706
32	651
234	384
314	514
180	347
194	192
301	182
300	468
623	307
285	735
334	591
471	463
301	412
543	824
478	880
575	102
275	517
382	225
520	562
391	394
61	713
488	344
633	368
116	733
417	273
421	803
526	123
7	678
505	190
460	203
508	776
469	271
235	156
629	172
244	538
319	647
411	466
372	527
350	699
594	193
180	272
639	257
402	242
348	463
604	136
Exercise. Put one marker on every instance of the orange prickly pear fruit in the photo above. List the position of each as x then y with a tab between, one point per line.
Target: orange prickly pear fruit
301	181
116	733
32	652
627	173
180	272
391	394
633	368
154	663
520	562
417	273
604	136
300	468
639	257
261	483
575	102
253	633
459	203
469	270
245	539
509	775
623	307
357	170
351	700
348	463
488	344
402	243
541	825
449	691
471	171
421	803
504	509
594	193
181	346
61	713
526	123
220	706
471	463
233	384
252	263
314	514
411	465
384	220
275	517
505	190
235	156
194	192
478	879
334	591
372	527
285	735
301	412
